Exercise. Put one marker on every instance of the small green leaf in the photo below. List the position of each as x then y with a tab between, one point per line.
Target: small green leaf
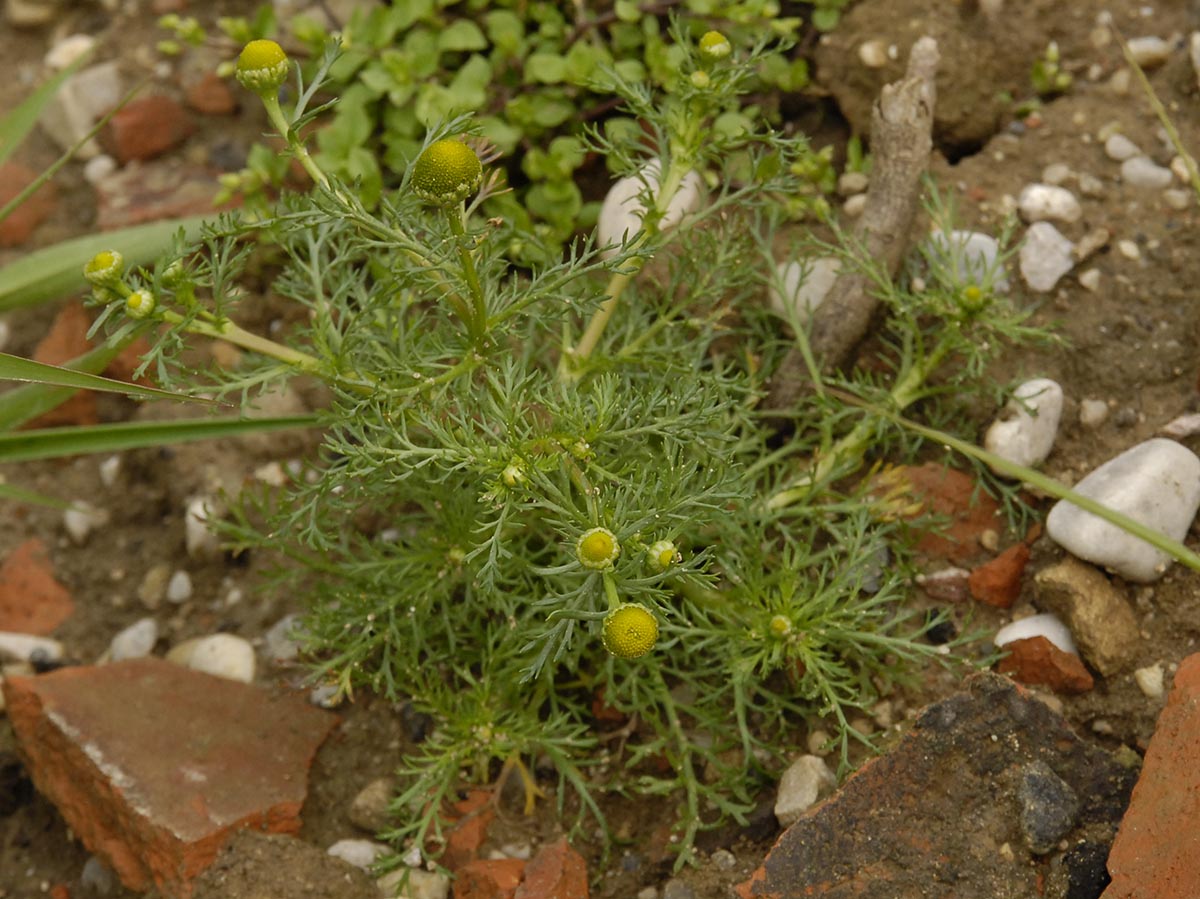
506	31
462	35
18	123
545	68
53	443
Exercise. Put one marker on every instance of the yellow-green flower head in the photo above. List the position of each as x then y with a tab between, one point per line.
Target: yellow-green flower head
780	626
597	549
446	172
139	304
262	67
714	45
630	631
105	269
662	555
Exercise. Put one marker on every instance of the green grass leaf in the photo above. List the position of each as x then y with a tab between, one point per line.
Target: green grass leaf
16	368
18	123
52	443
56	271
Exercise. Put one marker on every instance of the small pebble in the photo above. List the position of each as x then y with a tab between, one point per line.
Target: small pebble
1091	186
96	169
81	518
851	183
801	286
873	53
68	50
1119	148
421	884
806	780
1026	430
971	256
1129	249
135	642
280	642
1149	51
326	696
1141	171
1182	427
153	587
1177	199
199	539
369	809
1090	279
622	210
1095	240
1092	413
1042	202
648	893
1045	625
1156	483
1179	168
1126	417
677	889
818	742
1049	807
1150	680
724	860
855	206
110	468
179	587
96	877
360	853
28	648
223	655
1057	173
1045	256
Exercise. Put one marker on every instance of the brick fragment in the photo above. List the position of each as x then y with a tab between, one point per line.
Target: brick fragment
32	599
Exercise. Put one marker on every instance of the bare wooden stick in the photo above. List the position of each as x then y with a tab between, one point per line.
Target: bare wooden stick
901	141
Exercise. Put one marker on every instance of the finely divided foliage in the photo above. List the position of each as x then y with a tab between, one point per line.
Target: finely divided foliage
543	490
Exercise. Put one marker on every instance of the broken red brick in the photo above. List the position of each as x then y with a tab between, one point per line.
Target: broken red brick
163	189
1035	660
998	582
66	339
489	878
210	95
1156	854
474	816
154	766
146	128
32	600
965	511
556	872
18	227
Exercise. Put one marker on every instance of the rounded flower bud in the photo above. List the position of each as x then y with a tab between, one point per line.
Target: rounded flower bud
700	79
262	67
105	269
597	549
780	626
446	172
662	555
714	45
139	304
630	631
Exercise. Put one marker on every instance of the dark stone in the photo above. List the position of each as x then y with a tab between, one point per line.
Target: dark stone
1049	807
1086	872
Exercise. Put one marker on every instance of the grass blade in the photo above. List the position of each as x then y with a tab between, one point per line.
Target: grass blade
52	443
16	368
18	123
56	271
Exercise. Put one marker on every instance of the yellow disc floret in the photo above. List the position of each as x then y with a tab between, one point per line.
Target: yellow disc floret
597	549
105	269
446	172
139	304
262	67
662	555
714	45
630	631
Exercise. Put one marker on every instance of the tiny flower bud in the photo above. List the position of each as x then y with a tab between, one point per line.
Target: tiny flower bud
972	298
700	79
630	631
173	274
139	304
714	45
105	269
780	626
661	555
513	474
446	172
597	549
262	67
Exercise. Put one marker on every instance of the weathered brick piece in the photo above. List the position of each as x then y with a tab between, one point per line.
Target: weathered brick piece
153	766
1157	851
940	816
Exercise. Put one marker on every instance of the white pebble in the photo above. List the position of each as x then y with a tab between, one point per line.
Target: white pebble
325	696
1056	173
1040	202
873	53
1092	413
1046	625
623	207
28	648
806	780
280	642
421	884
1045	256
1025	432
109	469
851	183
135	642
855	205
68	50
179	587
360	853
1140	171
800	287
1149	52
1156	483
972	256
223	655
1129	249
1177	199
1119	148
1182	427
1150	680
98	168
201	542
96	877
1179	167
81	518
1090	279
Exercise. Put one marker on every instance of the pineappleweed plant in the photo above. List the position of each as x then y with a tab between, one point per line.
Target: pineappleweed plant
545	492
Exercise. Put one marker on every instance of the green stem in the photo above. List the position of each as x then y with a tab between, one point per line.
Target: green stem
477	322
275	114
228	331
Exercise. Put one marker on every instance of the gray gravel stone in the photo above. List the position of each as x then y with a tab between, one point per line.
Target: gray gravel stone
1140	171
1045	256
1049	807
